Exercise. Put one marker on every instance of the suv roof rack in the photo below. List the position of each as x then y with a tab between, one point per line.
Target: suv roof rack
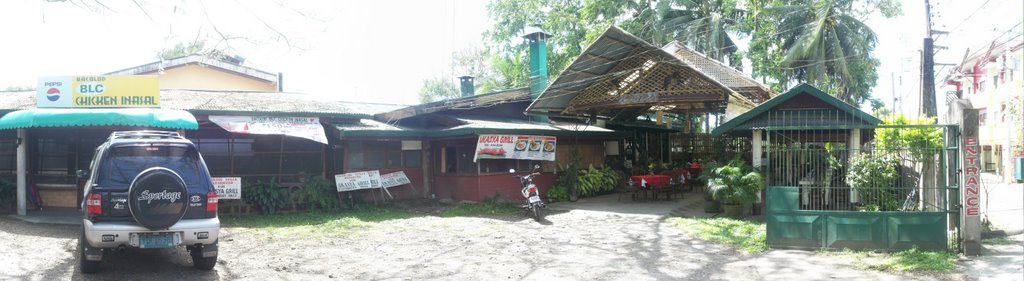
145	135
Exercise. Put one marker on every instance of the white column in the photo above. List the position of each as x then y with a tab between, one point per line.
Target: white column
22	168
756	150
853	145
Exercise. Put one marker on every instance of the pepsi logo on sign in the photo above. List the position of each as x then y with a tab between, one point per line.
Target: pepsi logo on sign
53	94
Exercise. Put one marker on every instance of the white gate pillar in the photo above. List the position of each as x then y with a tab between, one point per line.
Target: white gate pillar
21	170
853	147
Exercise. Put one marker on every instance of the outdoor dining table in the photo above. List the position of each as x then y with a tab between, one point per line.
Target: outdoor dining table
649	183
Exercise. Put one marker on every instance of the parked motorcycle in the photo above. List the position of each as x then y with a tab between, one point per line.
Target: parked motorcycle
531	193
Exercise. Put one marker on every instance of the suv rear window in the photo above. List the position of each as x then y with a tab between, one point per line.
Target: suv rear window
125	162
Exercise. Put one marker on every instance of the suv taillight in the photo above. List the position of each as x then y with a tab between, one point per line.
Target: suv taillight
93	204
211	201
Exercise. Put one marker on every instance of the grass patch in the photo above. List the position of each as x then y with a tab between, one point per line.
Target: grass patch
747	236
913	260
487	208
999	241
316	223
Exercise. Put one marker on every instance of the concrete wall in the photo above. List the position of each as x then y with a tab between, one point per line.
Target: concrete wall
197	77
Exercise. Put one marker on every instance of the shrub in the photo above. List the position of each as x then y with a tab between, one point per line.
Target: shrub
268	196
318	194
8	191
735	183
874	178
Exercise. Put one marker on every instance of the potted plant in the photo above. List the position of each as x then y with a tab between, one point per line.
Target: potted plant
735	184
711	205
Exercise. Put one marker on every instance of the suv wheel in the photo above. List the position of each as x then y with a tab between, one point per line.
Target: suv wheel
200	262
84	264
157	198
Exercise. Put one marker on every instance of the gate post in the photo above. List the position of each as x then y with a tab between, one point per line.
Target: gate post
970	179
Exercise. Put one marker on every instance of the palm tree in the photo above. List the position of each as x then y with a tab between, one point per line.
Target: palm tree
703	25
824	45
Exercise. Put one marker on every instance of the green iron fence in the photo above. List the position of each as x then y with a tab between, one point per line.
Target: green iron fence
891	191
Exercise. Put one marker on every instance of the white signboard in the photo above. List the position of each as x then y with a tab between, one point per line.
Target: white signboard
515	147
303	127
228	187
357	180
394	179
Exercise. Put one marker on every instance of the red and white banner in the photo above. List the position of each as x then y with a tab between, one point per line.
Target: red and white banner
302	127
515	147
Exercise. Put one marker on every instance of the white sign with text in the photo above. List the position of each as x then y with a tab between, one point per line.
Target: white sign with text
228	187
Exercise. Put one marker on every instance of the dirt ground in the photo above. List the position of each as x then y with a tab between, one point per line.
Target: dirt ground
576	244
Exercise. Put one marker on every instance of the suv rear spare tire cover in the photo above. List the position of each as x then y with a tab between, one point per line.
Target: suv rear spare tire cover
157	198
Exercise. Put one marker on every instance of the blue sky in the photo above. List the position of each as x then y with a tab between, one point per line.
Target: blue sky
376	51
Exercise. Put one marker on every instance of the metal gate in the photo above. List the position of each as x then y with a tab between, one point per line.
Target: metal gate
888	187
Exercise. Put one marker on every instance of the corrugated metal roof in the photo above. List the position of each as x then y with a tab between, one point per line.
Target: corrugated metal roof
596	63
488	99
247	103
222	102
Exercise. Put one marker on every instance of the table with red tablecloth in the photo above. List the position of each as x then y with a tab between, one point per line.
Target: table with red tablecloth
652	181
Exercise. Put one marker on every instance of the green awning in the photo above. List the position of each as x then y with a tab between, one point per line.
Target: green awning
80	117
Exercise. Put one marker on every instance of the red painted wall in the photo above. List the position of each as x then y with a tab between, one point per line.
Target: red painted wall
478	188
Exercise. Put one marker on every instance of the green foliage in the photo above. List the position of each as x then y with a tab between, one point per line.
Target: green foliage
315	224
488	208
922	143
268	196
748	236
735	183
438	88
558	192
704	26
915	260
593	180
8	191
874	178
318	194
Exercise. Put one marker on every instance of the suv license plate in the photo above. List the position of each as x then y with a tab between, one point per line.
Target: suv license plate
150	241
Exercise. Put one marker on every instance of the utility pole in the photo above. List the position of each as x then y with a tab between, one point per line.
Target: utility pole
928	107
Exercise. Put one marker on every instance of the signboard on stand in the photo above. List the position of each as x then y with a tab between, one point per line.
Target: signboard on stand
357	180
515	147
394	179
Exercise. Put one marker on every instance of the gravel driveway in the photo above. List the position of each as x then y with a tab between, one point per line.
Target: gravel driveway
571	245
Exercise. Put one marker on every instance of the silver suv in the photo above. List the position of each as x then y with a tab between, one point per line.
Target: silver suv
148	189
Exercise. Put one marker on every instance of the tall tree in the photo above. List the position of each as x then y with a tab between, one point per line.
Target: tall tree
438	88
704	25
573	24
821	42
